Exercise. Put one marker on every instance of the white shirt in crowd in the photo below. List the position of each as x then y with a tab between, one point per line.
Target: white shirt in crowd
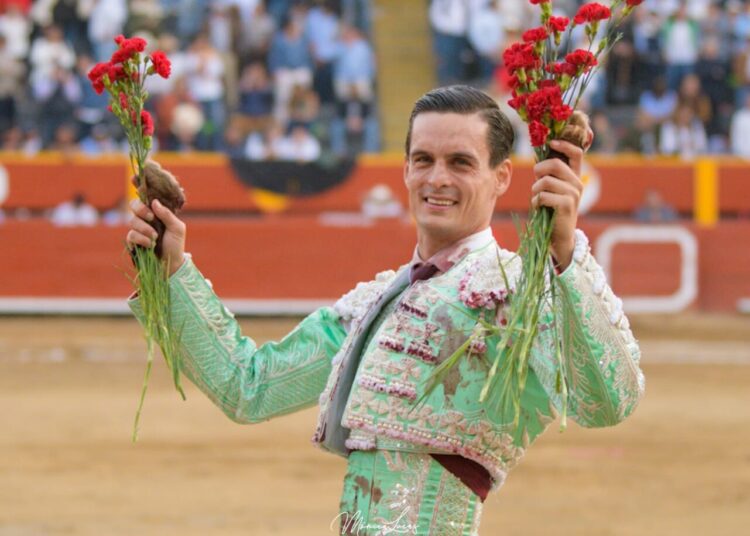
205	76
450	16
70	215
16	28
740	133
296	147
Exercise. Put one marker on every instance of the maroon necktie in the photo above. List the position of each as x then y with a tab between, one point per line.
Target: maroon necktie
471	473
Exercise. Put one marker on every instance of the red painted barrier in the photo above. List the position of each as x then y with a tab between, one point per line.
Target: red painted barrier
301	258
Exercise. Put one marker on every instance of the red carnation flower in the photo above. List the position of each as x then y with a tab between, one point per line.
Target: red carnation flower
542	100
536	2
581	59
123	101
538	133
562	68
547	83
517	102
535	35
633	3
116	72
592	12
162	65
147	123
95	75
561	113
520	56
558	24
119	39
128	48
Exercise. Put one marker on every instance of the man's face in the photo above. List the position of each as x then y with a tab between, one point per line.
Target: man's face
452	188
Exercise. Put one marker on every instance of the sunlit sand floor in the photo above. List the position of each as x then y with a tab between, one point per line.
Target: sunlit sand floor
69	388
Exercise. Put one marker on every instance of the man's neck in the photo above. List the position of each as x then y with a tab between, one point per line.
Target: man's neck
428	246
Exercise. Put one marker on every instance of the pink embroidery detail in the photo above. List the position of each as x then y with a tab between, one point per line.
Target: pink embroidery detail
487	299
422	351
416	311
478	346
378	385
360	444
391	344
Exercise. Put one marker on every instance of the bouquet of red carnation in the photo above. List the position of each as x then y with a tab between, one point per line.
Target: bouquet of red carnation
548	80
123	79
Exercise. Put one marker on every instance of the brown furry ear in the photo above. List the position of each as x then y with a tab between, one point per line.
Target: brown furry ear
576	131
162	185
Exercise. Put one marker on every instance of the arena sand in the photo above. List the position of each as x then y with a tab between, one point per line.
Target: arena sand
69	388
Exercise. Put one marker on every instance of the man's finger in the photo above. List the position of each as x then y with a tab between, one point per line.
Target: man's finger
564	203
141	210
555	168
134	238
140	226
574	154
167	217
557	186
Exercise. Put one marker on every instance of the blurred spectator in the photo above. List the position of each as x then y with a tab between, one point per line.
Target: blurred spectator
716	27
322	32
187	122
304	107
119	214
98	142
691	94
145	16
11	139
223	26
106	21
740	130
646	40
299	146
65	140
256	38
179	119
683	135
76	212
15	27
605	137
486	33
714	72
381	203
290	64
654	209
205	72
70	16
56	95
680	42
449	20
354	72
157	86
622	70
659	102
255	147
91	109
255	99
49	52
11	79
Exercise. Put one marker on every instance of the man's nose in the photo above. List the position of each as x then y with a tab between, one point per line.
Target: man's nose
439	176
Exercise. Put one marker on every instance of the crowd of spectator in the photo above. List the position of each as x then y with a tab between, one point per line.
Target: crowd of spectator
676	84
281	79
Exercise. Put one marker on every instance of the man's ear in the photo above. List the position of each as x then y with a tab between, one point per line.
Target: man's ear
406	167
503	172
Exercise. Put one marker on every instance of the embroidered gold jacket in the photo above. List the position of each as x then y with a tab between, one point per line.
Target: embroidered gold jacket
367	383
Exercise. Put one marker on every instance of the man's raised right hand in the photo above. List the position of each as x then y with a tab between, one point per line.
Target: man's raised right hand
142	234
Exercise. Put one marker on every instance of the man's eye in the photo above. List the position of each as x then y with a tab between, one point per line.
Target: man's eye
463	162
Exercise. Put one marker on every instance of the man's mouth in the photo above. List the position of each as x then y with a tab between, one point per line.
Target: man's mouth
438	202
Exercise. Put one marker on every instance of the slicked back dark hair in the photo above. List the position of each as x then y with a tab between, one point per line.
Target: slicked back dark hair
468	100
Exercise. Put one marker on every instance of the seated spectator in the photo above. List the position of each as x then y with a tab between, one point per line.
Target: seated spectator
654	209
256	147
256	99
91	109
290	64
449	20
76	212
354	72
740	130
98	141
304	107
65	140
256	39
659	102
691	94
56	94
49	52
605	140
486	33
680	44
714	72
11	85
322	30
205	78
107	19
683	135
381	203
299	146
15	27
187	122
119	214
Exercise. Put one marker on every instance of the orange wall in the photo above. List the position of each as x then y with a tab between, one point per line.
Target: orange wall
298	257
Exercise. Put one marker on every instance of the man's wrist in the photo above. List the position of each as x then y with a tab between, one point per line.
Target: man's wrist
563	257
176	264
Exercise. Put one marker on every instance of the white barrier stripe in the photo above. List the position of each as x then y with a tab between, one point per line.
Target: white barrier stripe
119	306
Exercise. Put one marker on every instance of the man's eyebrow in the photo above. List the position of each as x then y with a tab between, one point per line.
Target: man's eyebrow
418	152
461	154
